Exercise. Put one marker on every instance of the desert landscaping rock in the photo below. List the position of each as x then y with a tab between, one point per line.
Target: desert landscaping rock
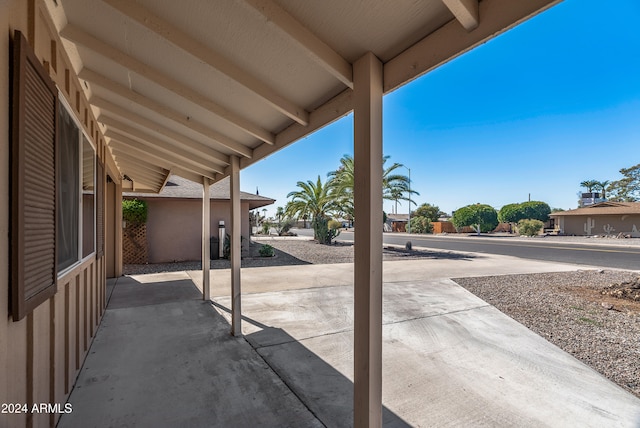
569	310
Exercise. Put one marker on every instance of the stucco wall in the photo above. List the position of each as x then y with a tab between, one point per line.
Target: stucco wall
174	227
598	225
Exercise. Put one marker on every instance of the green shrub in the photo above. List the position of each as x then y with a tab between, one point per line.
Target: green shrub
266	226
334	224
529	227
420	224
266	251
134	211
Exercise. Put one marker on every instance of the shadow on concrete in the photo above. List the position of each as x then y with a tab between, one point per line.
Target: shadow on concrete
164	357
326	392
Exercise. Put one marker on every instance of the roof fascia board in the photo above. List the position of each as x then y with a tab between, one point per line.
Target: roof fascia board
451	40
334	109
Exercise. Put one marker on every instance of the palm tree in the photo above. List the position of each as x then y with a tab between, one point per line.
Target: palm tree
589	184
602	186
313	199
394	186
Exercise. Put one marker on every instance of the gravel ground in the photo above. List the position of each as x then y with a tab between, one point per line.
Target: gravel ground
567	308
298	251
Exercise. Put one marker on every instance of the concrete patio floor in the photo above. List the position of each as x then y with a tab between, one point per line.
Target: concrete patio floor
163	357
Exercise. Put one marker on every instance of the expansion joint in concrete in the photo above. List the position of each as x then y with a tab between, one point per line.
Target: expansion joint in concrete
437	315
284	382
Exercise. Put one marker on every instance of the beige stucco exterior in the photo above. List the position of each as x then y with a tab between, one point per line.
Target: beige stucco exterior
600	225
604	218
174	227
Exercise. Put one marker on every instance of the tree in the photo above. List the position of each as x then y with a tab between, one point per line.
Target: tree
394	186
430	212
589	184
601	186
626	189
483	218
313	199
536	210
532	210
510	213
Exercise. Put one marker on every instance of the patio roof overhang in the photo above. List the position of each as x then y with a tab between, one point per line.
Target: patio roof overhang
193	83
203	89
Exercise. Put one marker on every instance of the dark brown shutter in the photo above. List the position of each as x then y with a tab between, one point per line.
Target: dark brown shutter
100	181
33	181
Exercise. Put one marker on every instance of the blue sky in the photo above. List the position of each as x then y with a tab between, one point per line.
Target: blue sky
535	111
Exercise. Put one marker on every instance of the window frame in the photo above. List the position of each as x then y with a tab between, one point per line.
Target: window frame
79	207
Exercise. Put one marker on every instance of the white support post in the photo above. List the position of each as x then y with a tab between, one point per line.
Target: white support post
368	242
236	223
206	233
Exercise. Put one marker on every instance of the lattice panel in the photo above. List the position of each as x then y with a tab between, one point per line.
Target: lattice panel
134	245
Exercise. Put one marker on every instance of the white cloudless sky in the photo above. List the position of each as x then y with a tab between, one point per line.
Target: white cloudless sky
531	113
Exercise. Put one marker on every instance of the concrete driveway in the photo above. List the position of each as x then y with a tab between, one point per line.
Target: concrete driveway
449	358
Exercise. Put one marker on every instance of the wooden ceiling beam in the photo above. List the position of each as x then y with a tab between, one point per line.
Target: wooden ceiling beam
315	48
465	11
177	37
150	124
96	78
142	141
82	38
154	179
161	149
161	159
195	147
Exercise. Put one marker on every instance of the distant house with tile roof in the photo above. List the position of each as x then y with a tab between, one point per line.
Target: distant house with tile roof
174	223
604	218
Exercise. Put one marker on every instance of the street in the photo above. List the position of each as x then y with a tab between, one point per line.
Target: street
609	256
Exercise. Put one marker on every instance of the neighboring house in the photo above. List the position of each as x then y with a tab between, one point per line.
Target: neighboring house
174	223
604	218
398	222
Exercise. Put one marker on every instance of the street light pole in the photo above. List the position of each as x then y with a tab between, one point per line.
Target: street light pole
409	221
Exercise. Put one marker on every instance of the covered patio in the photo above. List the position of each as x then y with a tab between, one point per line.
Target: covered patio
202	90
163	357
217	87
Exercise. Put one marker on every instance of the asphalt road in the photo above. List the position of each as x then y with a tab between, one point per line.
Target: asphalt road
592	255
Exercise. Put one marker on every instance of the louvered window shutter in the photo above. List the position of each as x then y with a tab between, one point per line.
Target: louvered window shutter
33	181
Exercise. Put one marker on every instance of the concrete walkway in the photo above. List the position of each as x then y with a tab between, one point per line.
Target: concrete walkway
163	357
